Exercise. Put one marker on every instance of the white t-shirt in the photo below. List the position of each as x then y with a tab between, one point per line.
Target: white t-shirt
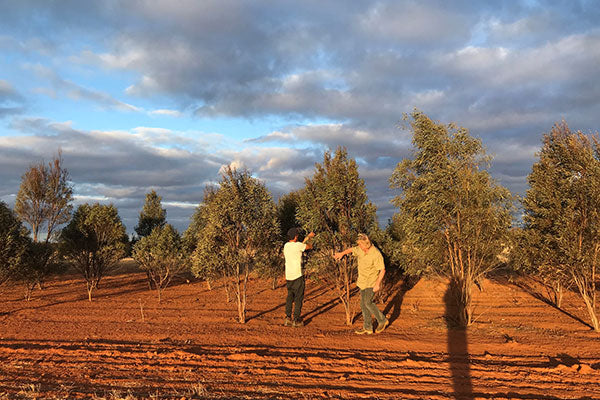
292	252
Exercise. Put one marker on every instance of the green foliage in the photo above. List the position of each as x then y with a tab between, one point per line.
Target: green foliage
45	197
287	207
453	217
562	213
334	204
240	232
197	224
13	243
152	215
93	242
39	261
161	255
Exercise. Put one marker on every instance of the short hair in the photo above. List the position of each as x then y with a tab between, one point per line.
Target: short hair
363	238
292	233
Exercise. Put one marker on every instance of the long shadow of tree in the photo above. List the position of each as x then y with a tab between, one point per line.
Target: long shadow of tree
394	306
458	347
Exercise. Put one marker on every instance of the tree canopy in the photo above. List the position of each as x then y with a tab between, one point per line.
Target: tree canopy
161	255
562	213
241	232
13	243
334	204
454	218
44	197
93	242
152	214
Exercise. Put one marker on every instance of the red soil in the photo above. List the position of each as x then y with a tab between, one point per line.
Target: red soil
59	345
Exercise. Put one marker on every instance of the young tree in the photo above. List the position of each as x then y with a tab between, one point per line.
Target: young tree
45	196
562	213
455	219
287	208
334	203
161	255
191	235
39	261
13	243
152	215
240	234
44	200
286	216
93	242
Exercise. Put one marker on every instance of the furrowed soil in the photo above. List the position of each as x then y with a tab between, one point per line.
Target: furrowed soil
126	345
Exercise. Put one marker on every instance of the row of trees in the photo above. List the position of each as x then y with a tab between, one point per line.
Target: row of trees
453	221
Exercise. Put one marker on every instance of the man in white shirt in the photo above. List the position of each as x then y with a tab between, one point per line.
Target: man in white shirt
292	252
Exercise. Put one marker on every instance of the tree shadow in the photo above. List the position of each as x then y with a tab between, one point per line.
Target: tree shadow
395	304
539	296
323	308
458	347
316	292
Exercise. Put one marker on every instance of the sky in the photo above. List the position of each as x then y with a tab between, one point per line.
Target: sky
143	95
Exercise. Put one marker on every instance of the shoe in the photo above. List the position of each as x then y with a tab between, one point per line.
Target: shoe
287	322
381	327
363	331
298	323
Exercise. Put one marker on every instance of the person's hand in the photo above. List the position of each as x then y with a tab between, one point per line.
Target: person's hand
311	235
376	288
338	256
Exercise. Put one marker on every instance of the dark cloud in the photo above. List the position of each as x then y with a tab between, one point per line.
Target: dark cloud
116	167
336	73
11	102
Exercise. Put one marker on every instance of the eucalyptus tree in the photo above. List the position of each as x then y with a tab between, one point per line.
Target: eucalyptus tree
44	203
13	243
455	219
93	242
334	204
152	214
161	255
562	213
287	206
241	232
40	260
44	197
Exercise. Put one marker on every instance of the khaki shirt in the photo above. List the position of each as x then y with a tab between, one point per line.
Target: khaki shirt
369	265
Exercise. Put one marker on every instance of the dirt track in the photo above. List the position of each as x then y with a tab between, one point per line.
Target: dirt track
61	346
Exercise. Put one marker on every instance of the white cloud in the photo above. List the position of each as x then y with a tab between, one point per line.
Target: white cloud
77	92
170	113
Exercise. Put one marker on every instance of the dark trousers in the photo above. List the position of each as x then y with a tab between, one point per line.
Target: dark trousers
295	296
369	309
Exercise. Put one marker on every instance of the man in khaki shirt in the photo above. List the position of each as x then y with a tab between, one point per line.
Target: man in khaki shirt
371	270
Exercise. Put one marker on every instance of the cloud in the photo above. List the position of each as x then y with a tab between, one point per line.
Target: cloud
11	102
170	113
113	166
77	92
330	74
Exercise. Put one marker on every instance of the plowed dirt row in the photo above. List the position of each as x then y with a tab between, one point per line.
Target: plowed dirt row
125	344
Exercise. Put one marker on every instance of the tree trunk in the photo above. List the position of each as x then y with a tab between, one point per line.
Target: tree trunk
228	291
240	292
460	294
557	288
90	287
208	286
588	294
589	303
29	290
